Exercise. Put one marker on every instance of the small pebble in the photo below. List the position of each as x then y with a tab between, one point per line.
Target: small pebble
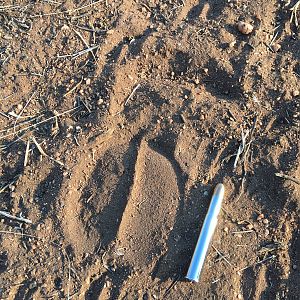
296	93
295	267
244	28
260	217
32	285
249	226
267	232
226	229
232	44
88	81
239	296
276	47
266	221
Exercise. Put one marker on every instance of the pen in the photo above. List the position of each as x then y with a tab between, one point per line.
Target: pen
206	234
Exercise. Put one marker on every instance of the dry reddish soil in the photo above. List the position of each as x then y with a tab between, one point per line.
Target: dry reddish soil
117	120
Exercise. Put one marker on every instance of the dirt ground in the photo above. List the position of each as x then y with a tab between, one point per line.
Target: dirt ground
117	120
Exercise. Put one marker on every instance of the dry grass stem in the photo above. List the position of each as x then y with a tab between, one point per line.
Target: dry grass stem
281	175
38	123
132	93
26	153
9	216
41	150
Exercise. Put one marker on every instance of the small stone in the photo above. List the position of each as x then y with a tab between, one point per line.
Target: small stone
226	229
32	285
20	106
276	47
239	296
294	267
232	44
244	28
205	70
265	221
249	226
267	232
296	93
260	217
88	81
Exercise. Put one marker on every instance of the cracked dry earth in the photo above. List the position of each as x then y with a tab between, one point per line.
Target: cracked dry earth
113	152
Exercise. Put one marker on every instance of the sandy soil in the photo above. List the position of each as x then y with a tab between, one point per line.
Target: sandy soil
117	120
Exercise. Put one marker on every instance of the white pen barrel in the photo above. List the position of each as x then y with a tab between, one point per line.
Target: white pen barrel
206	234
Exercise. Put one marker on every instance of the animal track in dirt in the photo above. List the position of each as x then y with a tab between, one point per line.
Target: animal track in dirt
151	207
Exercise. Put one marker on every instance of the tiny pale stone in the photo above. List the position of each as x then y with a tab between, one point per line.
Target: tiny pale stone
260	217
244	28
296	93
265	221
276	47
249	226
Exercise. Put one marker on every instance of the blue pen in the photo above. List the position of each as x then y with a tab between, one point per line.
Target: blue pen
206	234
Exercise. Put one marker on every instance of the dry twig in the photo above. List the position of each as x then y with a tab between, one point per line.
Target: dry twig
38	123
259	262
294	16
69	11
241	147
281	175
44	153
132	93
82	52
26	153
20	219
